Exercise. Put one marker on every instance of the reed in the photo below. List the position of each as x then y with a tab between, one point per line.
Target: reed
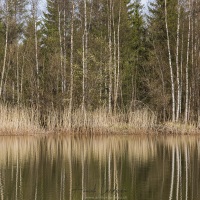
180	128
15	120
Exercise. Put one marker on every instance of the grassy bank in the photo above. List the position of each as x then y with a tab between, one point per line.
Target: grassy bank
18	120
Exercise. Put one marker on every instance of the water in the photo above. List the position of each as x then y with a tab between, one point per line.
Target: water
115	167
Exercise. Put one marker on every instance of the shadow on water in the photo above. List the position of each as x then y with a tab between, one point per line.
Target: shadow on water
109	167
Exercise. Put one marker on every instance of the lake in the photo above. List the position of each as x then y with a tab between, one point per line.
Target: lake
100	167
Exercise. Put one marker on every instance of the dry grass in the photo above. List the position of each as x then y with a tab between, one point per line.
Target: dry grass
14	120
143	120
180	128
18	120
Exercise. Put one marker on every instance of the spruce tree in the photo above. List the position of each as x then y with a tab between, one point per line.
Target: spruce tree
134	55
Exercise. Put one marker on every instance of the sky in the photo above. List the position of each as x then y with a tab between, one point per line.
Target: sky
144	1
42	4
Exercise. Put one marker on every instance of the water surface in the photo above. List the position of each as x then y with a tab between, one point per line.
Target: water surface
115	167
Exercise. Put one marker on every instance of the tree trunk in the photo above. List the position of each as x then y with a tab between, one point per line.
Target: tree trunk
187	68
170	65
5	53
84	40
34	12
61	50
118	61
110	58
65	52
71	67
177	65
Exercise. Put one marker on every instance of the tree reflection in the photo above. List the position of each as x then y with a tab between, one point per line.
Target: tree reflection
99	167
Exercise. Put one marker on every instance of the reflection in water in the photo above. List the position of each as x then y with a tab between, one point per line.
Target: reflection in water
119	167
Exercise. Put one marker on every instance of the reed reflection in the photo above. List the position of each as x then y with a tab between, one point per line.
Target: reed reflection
119	167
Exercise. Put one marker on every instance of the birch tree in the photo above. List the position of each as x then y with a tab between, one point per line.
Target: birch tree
177	64
5	48
34	16
187	66
84	57
117	73
170	64
71	65
110	56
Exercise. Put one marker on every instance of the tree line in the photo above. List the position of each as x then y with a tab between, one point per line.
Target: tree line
102	53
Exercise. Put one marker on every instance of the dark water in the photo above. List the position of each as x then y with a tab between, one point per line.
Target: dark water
120	167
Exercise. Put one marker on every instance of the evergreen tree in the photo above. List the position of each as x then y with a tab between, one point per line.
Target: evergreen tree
135	54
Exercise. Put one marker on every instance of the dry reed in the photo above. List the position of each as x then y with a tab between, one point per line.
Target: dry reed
15	120
20	120
180	128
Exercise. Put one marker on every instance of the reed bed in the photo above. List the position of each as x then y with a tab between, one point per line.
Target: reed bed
15	120
101	122
20	120
180	128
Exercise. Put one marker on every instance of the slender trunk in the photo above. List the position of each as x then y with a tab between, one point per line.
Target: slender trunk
118	59
5	54
71	66
110	59
101	73
177	65
34	10
22	76
85	41
61	49
18	93
65	53
181	74
192	94
170	65
187	70
13	92
114	57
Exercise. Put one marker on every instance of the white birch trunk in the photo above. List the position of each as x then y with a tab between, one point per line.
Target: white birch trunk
18	93
84	40
71	67
181	74
22	76
177	65
5	53
117	69
65	53
187	68
61	49
118	52
114	57
170	65
34	12
110	59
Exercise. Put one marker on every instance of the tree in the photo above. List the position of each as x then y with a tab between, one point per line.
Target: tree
162	23
134	55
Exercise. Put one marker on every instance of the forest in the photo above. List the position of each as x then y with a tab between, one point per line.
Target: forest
111	61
